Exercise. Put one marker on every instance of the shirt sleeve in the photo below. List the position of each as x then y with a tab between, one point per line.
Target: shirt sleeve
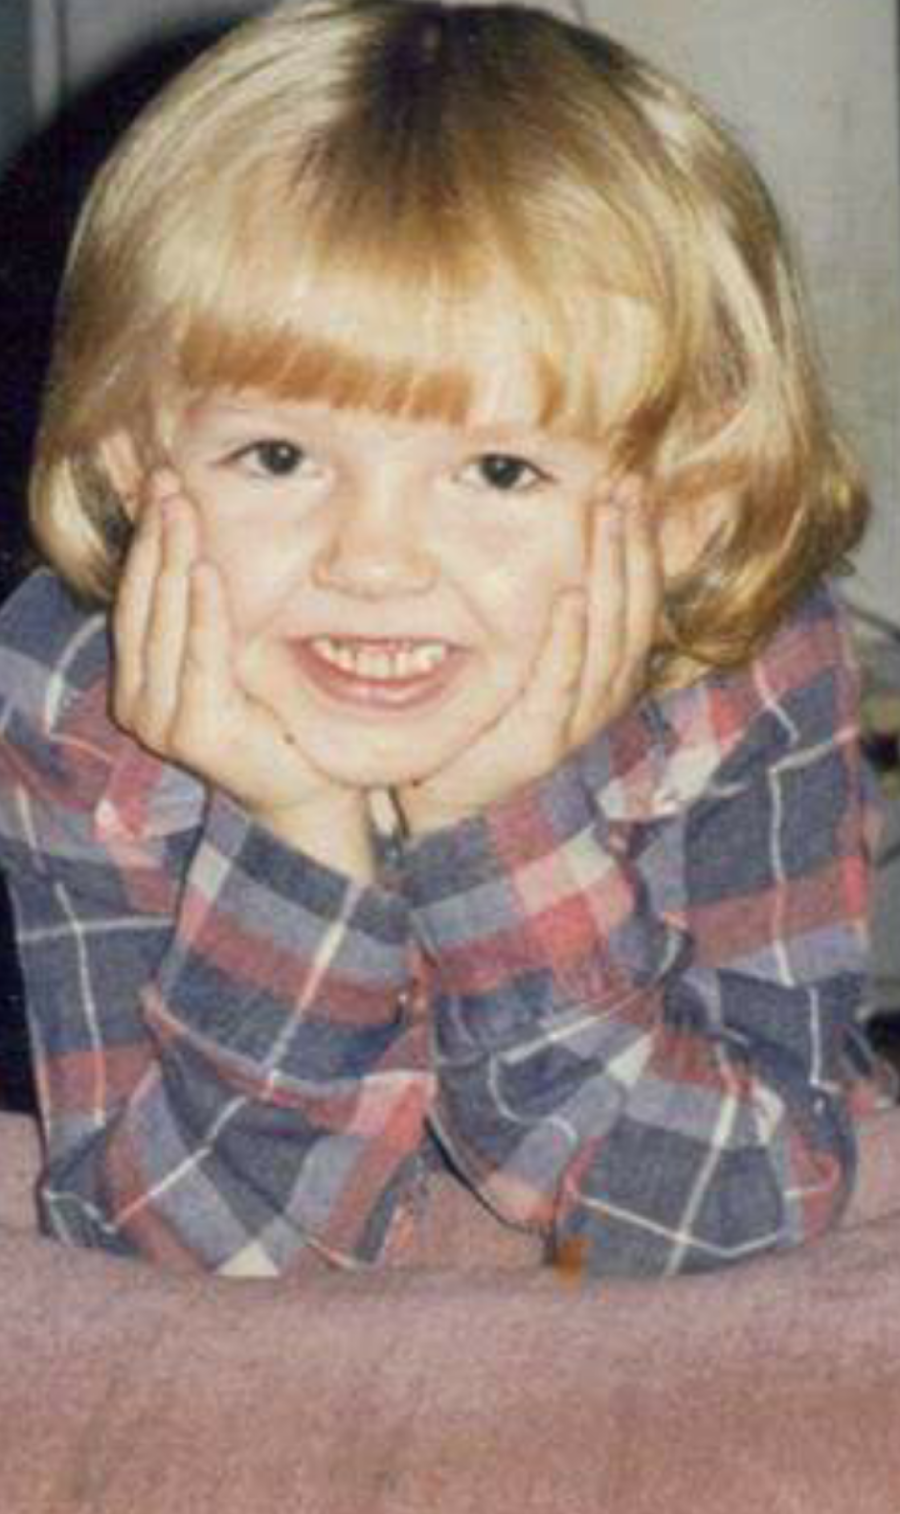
227	1076
646	970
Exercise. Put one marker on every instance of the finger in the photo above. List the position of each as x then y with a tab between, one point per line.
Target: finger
137	586
623	608
132	610
642	576
207	682
216	728
643	588
168	619
606	611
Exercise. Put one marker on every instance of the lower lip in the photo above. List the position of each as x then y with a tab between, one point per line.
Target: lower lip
381	694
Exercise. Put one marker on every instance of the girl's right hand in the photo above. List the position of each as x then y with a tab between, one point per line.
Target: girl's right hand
174	690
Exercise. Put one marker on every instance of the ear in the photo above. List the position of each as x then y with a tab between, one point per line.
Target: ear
125	470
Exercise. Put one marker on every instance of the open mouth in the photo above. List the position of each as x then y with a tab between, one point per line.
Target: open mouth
384	673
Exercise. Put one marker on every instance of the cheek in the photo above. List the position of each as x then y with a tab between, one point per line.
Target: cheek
524	577
240	542
252	569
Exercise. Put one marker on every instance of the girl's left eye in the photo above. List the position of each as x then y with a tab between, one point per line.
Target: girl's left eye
503	472
275	458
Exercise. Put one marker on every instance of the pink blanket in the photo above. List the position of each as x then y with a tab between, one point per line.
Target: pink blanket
472	1382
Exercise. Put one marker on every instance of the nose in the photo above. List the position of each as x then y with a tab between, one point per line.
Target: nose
374	548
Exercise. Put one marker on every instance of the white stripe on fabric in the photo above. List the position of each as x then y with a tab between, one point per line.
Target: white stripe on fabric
571	1030
729	1112
654	1227
40	1059
59	1200
791	762
323	959
56	683
88	1006
775	850
40	934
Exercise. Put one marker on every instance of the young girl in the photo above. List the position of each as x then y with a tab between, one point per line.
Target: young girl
433	744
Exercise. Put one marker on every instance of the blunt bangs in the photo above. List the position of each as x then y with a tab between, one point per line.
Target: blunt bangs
314	290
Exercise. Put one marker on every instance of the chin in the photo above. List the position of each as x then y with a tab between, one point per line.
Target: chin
377	756
362	768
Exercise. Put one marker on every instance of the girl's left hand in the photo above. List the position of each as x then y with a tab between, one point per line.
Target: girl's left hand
591	667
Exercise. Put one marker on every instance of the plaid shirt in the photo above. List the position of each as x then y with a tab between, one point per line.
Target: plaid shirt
620	1003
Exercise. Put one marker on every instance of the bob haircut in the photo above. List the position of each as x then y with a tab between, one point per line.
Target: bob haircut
340	199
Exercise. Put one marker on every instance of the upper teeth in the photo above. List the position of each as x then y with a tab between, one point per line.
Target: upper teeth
366	662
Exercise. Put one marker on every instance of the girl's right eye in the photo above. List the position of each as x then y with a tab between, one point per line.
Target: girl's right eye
272	458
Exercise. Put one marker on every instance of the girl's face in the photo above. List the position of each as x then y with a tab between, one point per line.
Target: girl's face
390	581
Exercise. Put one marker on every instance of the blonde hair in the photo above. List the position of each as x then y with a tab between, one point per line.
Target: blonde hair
339	199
